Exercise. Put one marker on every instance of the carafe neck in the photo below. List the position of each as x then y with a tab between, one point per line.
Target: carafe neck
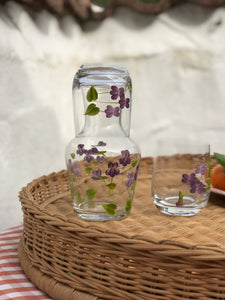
102	126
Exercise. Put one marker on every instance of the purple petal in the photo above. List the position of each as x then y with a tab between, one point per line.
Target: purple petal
129	182
203	169
101	143
93	150
127	103
88	157
185	178
110	165
200	188
193	189
96	174
109	111
121	92
122	103
100	159
116	111
125	153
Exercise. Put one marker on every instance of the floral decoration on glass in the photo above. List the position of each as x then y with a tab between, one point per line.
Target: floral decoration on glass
113	108
102	160
116	178
199	181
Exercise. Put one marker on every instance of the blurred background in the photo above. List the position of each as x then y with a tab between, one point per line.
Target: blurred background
175	55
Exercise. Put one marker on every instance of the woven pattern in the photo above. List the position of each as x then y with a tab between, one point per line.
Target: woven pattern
146	256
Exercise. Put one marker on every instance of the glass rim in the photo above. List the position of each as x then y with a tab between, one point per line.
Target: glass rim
172	147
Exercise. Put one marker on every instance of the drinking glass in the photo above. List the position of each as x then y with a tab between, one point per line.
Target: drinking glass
181	177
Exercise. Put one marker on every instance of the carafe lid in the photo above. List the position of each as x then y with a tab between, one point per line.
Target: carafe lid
102	74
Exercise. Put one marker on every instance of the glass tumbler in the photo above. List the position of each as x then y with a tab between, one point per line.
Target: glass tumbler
181	177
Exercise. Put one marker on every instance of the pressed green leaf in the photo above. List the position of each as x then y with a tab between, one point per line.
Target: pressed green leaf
109	211
101	152
181	196
72	155
103	177
88	170
73	177
110	208
91	194
92	94
111	186
78	197
128	205
220	158
92	110
133	163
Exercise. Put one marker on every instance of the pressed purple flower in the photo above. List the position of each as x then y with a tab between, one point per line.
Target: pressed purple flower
127	102
195	179
197	169
76	170
193	189
88	157
111	111
101	143
116	92
121	92
130	180
192	178
100	159
185	178
93	150
125	159
116	112
200	188
196	186
81	149
124	102
73	168
201	169
96	174
112	169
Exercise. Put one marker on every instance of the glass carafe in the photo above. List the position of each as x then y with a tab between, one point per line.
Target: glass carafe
102	161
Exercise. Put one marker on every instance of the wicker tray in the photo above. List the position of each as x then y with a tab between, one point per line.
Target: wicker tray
146	256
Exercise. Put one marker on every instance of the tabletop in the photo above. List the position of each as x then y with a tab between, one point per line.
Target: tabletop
14	284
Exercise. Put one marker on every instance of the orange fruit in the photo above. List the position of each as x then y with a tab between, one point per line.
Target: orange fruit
218	177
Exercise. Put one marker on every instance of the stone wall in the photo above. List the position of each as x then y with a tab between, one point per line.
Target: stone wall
176	61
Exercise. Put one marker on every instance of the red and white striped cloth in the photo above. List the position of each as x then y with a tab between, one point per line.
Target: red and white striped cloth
14	284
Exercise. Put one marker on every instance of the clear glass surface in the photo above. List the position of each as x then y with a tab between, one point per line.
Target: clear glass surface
102	160
181	178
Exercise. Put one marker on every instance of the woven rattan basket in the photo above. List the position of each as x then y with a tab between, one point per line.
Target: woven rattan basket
145	256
